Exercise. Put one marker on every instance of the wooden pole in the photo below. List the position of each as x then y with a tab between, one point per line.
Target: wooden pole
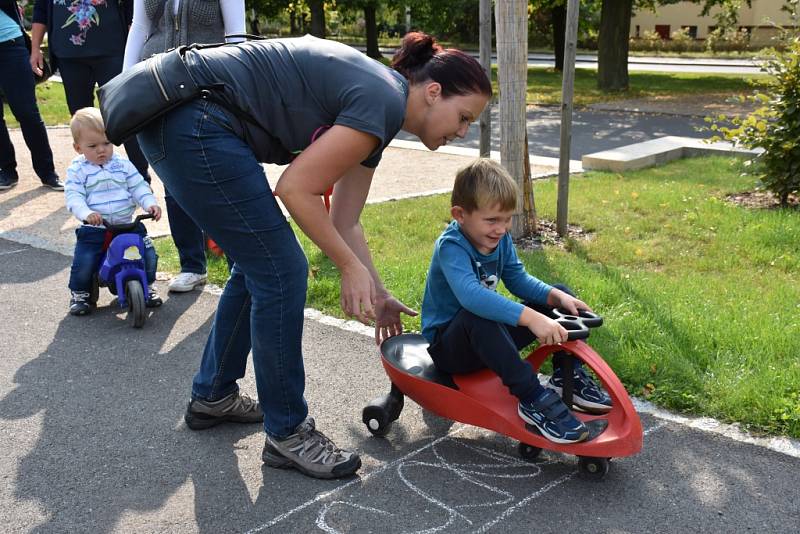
485	38
512	76
567	87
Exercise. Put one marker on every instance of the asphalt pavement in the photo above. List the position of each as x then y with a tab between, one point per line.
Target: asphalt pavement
592	130
92	440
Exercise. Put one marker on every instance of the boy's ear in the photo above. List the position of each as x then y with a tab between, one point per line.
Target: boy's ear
457	213
77	148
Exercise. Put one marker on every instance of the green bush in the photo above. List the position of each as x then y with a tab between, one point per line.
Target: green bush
775	125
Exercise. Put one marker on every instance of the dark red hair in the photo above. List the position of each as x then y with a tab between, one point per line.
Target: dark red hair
420	58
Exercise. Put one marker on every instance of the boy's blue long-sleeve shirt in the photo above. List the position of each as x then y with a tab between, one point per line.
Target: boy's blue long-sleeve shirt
454	282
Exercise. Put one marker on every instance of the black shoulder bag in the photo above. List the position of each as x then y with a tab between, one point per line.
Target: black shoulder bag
151	88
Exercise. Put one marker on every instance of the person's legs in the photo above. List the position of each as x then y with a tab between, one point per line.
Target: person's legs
190	242
85	262
78	80
19	87
215	177
470	342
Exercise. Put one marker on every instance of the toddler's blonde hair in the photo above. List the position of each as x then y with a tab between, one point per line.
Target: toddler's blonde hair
86	119
484	183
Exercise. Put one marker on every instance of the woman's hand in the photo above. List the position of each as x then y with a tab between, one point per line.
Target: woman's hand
357	295
387	317
37	60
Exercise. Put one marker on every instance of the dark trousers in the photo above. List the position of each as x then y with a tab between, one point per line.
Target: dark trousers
189	238
469	343
79	76
19	91
89	250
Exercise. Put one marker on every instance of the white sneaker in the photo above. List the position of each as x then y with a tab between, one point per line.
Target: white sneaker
186	282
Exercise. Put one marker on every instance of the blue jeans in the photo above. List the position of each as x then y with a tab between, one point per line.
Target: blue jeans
18	86
89	250
217	180
188	237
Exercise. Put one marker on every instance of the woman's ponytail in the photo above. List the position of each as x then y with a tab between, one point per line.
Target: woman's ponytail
420	58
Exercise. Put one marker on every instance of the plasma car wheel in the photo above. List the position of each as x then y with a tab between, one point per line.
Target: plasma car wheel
136	309
592	468
377	420
529	453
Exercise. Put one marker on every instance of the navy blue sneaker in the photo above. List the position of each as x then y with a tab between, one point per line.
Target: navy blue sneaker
551	416
586	394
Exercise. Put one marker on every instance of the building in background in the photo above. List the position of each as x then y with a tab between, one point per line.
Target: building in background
757	20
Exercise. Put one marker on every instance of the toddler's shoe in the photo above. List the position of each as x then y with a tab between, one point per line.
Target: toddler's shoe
586	394
309	451
551	416
153	299
79	303
186	282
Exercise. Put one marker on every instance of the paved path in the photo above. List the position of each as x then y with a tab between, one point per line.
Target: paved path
92	438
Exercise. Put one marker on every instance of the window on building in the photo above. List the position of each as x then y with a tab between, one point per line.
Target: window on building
662	30
692	31
638	31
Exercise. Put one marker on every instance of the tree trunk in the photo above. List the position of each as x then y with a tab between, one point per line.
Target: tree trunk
371	27
558	18
612	54
292	23
485	39
512	65
317	8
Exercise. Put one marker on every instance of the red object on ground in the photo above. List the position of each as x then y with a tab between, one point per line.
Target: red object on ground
482	400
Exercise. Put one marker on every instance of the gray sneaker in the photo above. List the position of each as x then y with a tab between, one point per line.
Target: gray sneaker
234	408
311	453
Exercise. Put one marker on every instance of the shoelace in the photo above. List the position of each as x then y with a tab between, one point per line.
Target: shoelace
80	295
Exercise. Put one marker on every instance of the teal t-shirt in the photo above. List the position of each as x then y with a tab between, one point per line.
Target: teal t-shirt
293	87
9	29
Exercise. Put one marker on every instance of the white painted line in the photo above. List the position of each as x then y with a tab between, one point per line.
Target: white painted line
6	253
358	480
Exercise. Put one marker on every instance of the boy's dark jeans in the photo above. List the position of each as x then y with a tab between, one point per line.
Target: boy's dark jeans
469	343
89	250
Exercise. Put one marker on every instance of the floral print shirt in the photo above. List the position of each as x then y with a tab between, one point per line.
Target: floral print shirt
87	28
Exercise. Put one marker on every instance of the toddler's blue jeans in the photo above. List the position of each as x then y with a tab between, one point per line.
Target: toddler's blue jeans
215	177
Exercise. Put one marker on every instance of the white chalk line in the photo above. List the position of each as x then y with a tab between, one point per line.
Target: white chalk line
455	430
457	468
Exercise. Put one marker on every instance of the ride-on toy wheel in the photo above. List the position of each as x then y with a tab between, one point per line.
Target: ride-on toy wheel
136	309
379	414
528	453
592	468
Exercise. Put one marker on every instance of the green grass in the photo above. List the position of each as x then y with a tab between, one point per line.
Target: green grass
701	297
544	87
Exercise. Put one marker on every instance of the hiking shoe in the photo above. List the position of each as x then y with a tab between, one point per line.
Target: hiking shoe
53	183
586	394
551	416
8	179
186	282
311	453
79	303
153	299
235	408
